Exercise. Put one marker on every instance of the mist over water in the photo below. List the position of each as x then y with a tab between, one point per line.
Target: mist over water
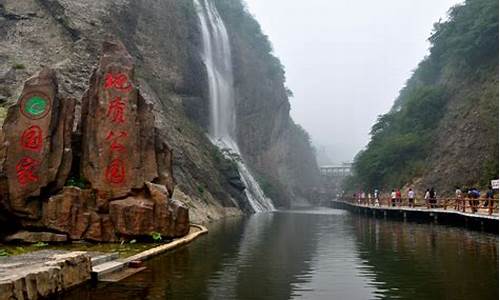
217	58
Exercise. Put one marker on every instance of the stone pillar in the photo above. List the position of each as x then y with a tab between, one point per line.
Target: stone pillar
118	128
37	143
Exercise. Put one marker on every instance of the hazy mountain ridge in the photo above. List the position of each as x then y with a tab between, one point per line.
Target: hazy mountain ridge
443	128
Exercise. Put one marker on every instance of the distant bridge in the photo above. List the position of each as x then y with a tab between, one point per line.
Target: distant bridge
336	171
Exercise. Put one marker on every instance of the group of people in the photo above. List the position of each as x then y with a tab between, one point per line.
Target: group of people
473	194
430	197
368	198
396	198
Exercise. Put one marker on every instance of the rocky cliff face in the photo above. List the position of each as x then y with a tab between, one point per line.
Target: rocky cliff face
442	131
279	150
163	39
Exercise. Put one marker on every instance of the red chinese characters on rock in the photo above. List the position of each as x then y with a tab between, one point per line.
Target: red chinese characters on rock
117	81
26	170
116	110
32	139
27	167
116	145
115	172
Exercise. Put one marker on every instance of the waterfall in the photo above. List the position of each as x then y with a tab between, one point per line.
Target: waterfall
216	55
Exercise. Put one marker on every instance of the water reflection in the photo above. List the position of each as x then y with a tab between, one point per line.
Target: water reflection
421	261
317	254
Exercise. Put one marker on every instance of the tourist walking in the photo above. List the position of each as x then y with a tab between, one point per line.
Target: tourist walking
458	198
433	198
411	198
427	198
474	195
490	194
393	198
398	197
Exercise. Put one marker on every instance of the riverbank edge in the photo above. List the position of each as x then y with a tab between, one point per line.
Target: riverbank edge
55	273
436	216
119	264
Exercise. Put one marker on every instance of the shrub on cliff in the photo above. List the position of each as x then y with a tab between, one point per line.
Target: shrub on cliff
443	126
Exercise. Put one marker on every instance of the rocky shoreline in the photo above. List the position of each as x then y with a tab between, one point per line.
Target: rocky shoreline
45	273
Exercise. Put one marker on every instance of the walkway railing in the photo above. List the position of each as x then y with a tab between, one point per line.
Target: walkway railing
480	205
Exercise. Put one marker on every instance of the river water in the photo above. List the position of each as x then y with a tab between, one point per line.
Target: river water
317	254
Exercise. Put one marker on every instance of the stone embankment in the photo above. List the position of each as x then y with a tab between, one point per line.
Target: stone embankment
45	273
41	274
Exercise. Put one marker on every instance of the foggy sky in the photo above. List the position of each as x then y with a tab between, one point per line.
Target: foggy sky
346	61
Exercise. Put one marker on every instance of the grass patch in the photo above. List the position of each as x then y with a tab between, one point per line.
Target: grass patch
78	182
3	114
125	249
200	189
19	66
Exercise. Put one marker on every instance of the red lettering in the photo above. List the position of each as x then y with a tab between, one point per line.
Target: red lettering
117	81
116	110
115	172
32	138
115	140
25	169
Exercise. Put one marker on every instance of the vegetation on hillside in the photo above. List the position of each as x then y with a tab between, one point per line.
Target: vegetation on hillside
460	74
237	15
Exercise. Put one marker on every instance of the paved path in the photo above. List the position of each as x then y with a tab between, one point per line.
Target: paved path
475	221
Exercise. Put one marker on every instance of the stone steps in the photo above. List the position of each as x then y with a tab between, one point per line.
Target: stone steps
103	258
120	275
107	268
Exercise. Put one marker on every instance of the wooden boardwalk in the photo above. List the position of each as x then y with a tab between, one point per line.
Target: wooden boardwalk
480	220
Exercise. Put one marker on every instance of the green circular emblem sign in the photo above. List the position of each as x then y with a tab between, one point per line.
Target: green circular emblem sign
35	106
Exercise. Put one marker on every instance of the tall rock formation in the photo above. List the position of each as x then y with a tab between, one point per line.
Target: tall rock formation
37	144
122	154
117	128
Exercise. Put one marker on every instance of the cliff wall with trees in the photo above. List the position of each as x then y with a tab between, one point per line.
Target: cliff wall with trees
442	130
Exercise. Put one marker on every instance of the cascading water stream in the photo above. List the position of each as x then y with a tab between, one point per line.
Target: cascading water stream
216	55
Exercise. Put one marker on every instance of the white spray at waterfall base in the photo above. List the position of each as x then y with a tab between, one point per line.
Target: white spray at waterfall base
216	55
